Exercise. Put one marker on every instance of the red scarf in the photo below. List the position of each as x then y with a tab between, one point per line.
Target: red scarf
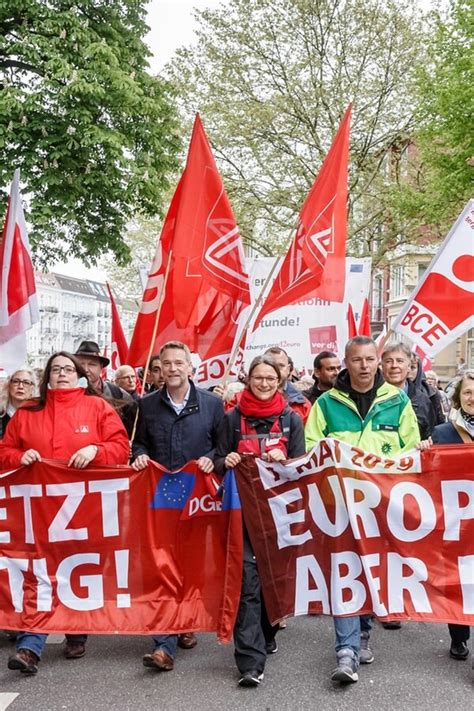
251	406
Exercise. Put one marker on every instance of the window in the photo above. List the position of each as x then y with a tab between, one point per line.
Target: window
421	271
397	281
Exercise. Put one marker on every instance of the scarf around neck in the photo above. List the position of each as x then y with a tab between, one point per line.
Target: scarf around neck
251	406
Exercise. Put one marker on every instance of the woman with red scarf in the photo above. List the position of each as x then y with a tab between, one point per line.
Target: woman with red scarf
261	425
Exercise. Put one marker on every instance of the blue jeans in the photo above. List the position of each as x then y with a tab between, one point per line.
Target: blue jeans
348	631
167	643
35	642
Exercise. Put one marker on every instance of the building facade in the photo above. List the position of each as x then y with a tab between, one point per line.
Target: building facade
73	310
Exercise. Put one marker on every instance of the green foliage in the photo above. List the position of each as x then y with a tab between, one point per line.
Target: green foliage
94	134
440	173
272	79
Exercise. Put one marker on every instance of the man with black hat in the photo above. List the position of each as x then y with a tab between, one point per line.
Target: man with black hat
93	362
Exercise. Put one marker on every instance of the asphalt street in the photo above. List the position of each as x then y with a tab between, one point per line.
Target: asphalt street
412	670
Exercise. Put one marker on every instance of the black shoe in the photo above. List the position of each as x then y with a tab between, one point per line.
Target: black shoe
459	650
392	625
271	647
251	678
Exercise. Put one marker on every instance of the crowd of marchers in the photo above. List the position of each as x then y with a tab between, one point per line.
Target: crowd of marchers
385	405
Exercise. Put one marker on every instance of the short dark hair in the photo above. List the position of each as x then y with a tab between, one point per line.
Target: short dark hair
359	341
321	356
276	350
154	357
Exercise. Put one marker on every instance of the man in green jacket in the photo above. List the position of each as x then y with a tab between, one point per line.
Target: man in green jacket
363	410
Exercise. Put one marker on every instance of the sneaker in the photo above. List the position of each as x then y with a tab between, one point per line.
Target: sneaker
459	650
25	661
251	678
271	647
365	655
346	670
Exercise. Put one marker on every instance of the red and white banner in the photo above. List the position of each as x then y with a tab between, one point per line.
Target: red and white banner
119	347
18	302
442	307
344	532
111	550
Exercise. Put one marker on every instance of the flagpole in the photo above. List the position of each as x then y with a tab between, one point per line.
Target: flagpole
153	337
235	350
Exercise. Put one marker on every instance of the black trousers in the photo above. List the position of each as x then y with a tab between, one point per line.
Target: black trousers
252	628
459	633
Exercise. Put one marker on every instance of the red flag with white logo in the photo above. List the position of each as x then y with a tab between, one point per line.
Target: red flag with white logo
441	308
211	302
207	248
119	347
19	304
316	257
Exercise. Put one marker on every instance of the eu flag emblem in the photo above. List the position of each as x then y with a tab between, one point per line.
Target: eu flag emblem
173	490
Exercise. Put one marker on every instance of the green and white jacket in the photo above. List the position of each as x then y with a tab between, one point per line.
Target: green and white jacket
389	428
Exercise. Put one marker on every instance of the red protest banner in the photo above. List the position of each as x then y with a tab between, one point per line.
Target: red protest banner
112	550
343	532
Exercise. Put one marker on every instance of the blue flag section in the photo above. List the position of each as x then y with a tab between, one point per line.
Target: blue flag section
230	498
173	490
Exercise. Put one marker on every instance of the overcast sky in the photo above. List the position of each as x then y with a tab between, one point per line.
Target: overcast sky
172	25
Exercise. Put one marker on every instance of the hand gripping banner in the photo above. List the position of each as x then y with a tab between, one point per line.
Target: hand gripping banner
343	532
107	550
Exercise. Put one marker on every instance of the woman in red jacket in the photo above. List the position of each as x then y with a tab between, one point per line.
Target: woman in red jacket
68	422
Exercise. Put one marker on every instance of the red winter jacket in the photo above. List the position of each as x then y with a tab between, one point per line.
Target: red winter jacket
70	420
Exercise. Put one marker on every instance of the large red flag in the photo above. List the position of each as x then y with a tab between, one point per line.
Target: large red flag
19	304
364	323
214	301
316	257
207	247
119	349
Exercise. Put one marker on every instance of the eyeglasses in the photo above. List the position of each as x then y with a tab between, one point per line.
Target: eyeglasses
18	381
127	377
260	378
68	369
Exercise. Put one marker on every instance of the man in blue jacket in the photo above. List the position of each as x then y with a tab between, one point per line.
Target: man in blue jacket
176	424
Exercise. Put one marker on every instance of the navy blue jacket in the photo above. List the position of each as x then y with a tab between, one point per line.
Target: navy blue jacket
171	439
446	434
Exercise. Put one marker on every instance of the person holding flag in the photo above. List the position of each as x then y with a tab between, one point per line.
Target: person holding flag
261	425
70	423
176	424
363	410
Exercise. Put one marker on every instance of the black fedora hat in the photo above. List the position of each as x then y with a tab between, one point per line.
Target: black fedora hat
91	349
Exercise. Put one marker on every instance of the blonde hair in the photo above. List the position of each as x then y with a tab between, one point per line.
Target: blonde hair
5	388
